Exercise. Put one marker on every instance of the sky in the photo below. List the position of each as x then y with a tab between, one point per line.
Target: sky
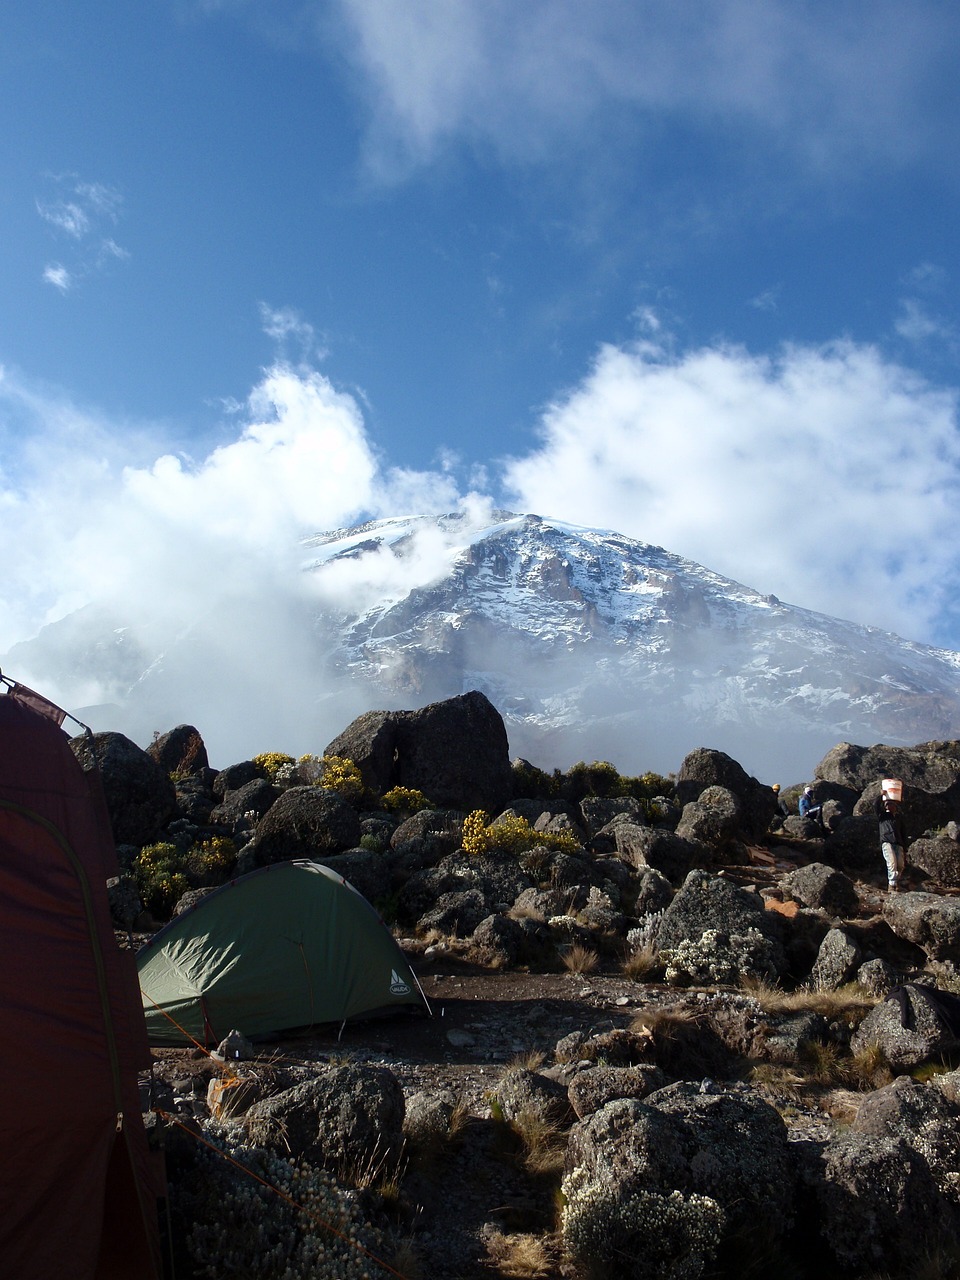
684	271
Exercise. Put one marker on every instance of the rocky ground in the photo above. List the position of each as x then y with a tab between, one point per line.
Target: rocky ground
463	1212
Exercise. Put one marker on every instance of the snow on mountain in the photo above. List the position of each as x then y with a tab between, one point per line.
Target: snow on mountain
591	644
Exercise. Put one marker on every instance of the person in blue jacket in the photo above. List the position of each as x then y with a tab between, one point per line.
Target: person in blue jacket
808	809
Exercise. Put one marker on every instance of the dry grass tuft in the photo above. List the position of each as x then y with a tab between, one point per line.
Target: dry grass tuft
579	959
850	1002
529	1060
641	963
544	1144
524	1257
870	1068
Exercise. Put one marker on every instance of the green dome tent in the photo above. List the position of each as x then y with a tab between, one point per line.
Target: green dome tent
292	945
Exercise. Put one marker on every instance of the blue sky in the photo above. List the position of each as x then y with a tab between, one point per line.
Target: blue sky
688	271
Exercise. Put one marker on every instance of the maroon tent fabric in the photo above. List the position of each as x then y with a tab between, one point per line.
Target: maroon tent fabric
78	1186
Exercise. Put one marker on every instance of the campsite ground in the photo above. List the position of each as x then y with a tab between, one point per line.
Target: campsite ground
478	1194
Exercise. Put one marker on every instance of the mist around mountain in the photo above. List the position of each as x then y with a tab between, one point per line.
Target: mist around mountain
590	644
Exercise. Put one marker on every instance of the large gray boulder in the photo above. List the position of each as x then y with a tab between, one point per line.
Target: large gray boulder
306	822
180	751
837	961
455	752
705	768
925	1118
909	1026
706	902
824	887
714	818
348	1120
141	798
495	879
927	919
642	846
875	1201
938	856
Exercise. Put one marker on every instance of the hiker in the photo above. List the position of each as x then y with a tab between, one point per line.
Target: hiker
893	837
781	803
810	810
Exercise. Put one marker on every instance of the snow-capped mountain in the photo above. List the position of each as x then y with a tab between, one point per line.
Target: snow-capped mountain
585	635
592	645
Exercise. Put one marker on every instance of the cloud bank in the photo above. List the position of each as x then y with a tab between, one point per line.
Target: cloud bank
827	476
813	82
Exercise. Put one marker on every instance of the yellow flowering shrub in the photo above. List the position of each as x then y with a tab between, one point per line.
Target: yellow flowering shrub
271	763
404	800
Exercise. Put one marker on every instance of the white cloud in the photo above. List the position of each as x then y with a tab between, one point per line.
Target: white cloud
815	81
828	476
77	210
58	275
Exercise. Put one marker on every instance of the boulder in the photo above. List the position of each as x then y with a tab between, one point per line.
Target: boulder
522	1094
713	818
824	887
938	857
256	796
495	877
369	873
925	1118
593	1088
666	852
180	751
705	768
909	1026
455	752
458	913
234	777
597	811
706	902
348	1119
502	938
837	961
875	1201
927	919
306	822
140	796
428	835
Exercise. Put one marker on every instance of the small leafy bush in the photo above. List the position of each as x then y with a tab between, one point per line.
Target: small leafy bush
405	800
510	835
272	763
342	775
211	860
161	879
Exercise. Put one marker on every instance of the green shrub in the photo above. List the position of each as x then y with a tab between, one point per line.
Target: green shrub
405	800
161	879
343	776
510	835
274	764
210	861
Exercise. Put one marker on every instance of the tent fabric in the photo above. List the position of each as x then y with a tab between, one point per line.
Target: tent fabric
292	945
78	1185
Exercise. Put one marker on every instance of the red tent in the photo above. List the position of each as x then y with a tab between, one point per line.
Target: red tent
78	1186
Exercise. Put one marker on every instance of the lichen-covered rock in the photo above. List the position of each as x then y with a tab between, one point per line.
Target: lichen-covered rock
501	937
939	857
654	892
181	751
347	1119
642	846
597	811
836	962
369	873
591	1089
429	835
928	919
877	1204
908	1026
520	1093
140	796
705	902
706	768
824	887
713	818
454	751
877	976
256	797
458	912
306	822
494	876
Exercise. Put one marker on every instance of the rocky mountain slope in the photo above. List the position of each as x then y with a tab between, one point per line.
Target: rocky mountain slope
592	644
585	636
